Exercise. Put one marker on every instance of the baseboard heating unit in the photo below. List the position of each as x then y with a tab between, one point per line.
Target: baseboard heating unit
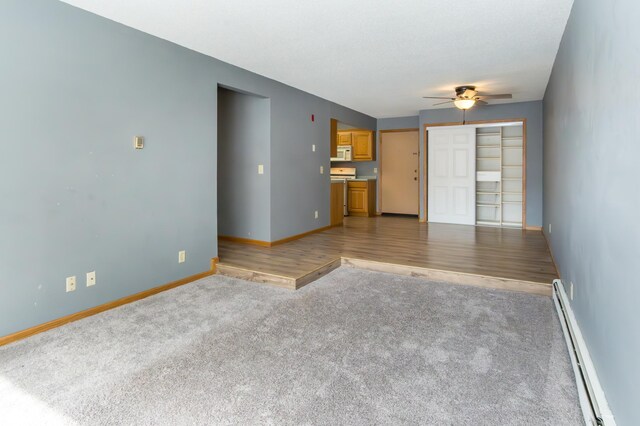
592	399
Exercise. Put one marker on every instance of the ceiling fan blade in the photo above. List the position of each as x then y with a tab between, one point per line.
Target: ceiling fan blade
502	96
442	103
438	97
481	102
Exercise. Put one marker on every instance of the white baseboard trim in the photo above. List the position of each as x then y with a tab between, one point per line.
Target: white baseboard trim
593	402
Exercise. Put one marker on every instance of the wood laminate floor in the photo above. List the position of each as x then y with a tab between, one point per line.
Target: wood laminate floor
399	245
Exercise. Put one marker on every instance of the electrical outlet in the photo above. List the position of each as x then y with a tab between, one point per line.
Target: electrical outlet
316	214
71	284
313	147
182	256
571	290
260	169
91	278
321	170
138	142
375	170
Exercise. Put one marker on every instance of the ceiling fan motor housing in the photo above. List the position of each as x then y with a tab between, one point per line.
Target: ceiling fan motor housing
461	91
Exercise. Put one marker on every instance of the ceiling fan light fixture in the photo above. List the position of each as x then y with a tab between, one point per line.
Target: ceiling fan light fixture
464	103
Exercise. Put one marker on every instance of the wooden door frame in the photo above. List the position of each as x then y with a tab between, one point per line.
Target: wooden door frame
425	146
379	189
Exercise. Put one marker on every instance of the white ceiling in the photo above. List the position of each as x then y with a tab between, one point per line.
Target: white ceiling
375	56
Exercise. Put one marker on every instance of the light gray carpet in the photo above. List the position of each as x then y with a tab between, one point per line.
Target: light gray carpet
355	347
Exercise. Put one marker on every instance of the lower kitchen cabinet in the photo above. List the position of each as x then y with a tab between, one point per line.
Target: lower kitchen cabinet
361	198
337	203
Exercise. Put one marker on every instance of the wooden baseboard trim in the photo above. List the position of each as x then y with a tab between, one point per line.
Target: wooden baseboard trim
297	237
14	337
553	260
273	243
245	241
533	228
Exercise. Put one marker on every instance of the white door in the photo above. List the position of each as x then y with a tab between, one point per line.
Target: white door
399	165
452	175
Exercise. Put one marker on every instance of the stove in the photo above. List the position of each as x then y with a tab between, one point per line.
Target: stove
343	174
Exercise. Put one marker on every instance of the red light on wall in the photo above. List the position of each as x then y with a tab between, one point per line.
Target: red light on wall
313	117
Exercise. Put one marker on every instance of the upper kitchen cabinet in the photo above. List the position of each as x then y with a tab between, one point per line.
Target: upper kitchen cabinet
344	138
364	147
362	143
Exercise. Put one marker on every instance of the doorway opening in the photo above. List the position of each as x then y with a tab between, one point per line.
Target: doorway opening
353	172
243	178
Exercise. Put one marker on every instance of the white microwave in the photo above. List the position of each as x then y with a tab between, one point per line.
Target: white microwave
344	154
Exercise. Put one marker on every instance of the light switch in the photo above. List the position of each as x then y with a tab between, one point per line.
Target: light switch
375	170
313	147
321	170
260	169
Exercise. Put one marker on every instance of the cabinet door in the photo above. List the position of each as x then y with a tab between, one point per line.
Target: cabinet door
362	146
334	138
357	201
344	138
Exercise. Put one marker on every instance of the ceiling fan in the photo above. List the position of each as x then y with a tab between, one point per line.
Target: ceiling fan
468	96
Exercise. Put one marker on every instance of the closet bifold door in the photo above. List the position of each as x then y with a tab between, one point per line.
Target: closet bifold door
452	175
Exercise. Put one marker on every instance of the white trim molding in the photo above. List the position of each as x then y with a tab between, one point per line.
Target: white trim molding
593	402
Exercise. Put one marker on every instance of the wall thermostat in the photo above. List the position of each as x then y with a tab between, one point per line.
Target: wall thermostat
138	142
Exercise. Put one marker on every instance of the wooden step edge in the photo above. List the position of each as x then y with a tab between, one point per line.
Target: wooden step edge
477	280
318	273
256	276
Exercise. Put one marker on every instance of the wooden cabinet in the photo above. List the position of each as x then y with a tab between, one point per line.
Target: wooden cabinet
361	198
334	138
363	146
344	138
337	203
362	142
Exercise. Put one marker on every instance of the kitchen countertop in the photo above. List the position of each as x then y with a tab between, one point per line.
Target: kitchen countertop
359	179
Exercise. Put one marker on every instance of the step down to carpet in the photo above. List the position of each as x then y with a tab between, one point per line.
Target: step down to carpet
294	283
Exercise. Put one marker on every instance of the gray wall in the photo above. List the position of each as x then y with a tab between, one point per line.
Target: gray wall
591	193
412	122
532	111
244	142
77	197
